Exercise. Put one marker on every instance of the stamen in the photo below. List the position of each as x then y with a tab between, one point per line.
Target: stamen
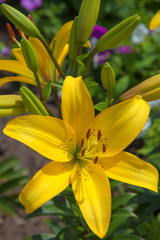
88	133
104	148
96	160
99	135
11	32
82	143
83	151
30	18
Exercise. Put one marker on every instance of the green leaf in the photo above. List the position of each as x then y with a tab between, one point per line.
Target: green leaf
80	58
58	84
127	237
121	200
12	174
54	226
7	164
101	106
155	150
121	85
70	233
7	207
42	236
90	83
5	187
47	90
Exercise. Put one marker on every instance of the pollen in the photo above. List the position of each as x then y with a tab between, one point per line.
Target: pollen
99	135
88	133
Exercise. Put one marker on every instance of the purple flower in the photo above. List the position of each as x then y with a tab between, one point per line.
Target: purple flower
6	51
1	1
31	5
123	49
98	31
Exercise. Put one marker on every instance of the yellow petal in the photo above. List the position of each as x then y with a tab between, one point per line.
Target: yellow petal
61	58
119	125
51	137
19	55
92	191
46	184
77	105
130	169
15	67
16	79
155	22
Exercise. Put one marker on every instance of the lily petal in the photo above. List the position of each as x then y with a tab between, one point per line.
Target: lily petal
19	55
77	104
92	191
128	168
119	125
51	137
46	184
155	22
16	79
15	67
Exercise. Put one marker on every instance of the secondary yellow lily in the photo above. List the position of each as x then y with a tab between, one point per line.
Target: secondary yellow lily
155	21
85	150
46	73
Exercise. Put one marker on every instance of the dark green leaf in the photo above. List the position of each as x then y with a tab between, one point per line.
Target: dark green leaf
47	90
70	233
43	236
58	84
127	237
101	106
13	184
12	174
7	164
121	200
7	207
54	226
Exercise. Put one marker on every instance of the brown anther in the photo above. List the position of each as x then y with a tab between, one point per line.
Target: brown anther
99	135
82	143
88	133
20	32
95	160
11	32
104	148
30	18
83	151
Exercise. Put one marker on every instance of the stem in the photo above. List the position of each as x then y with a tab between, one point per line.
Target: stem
39	86
56	100
109	98
45	44
76	65
89	59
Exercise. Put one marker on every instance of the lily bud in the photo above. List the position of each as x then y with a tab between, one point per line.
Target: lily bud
148	89
117	34
29	55
32	103
108	77
73	43
11	105
20	20
87	19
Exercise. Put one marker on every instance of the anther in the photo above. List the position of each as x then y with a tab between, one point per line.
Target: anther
99	135
96	160
83	151
30	18
11	32
82	143
104	148
88	133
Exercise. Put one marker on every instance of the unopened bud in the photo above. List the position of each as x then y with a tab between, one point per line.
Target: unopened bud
11	105
32	103
108	77
148	89
73	43
87	19
29	55
117	34
20	20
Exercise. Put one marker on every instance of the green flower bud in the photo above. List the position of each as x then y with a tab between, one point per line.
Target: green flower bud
108	77
20	20
87	19
11	105
117	34
73	44
29	55
32	103
148	89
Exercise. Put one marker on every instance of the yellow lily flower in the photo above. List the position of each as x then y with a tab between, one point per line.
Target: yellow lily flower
47	70
85	150
155	21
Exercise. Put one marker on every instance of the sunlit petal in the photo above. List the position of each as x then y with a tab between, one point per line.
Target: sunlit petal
130	169
119	125
46	184
15	67
92	192
16	79
77	105
19	55
51	137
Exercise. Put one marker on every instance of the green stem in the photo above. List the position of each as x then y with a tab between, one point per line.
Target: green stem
89	59
109	98
45	44
36	75
76	65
